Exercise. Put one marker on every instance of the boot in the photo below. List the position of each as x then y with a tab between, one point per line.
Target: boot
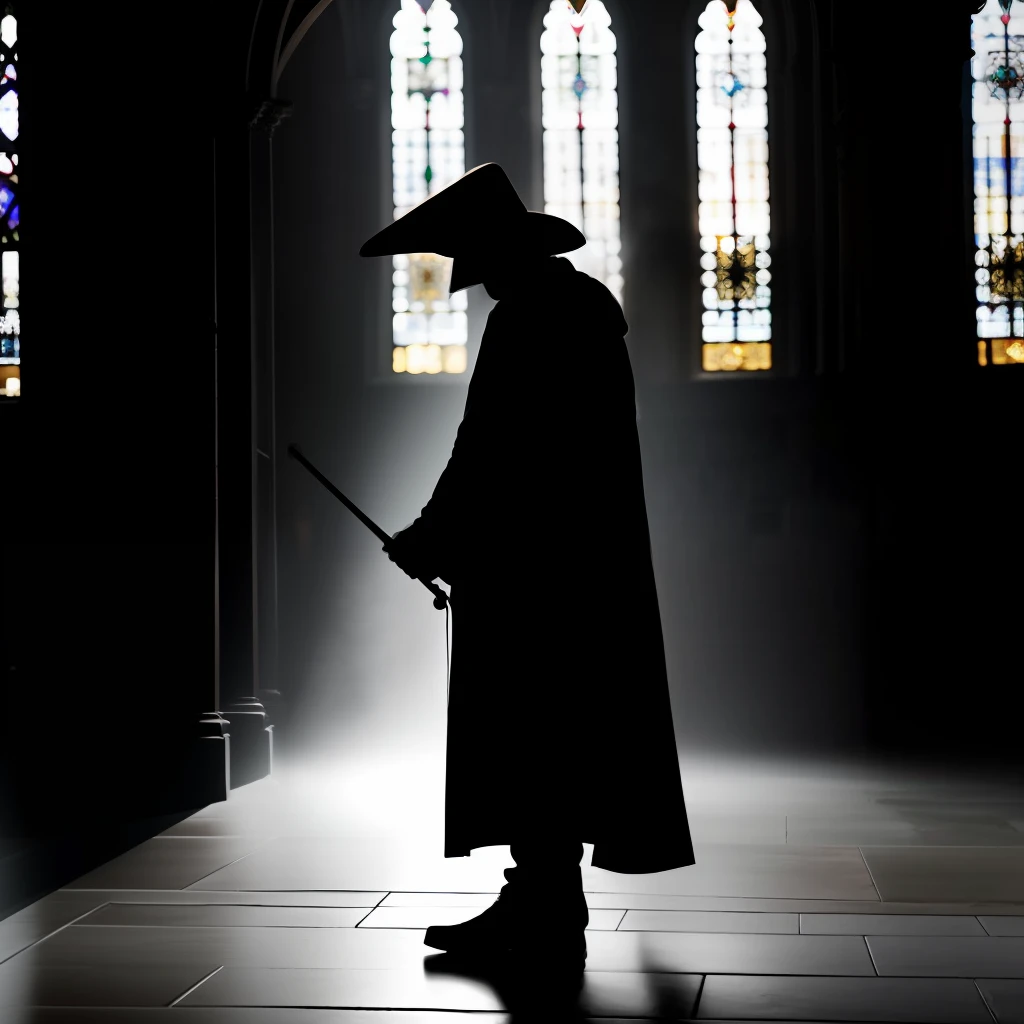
536	914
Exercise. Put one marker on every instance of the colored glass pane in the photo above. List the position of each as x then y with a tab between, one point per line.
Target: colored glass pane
9	114
10	215
997	70
428	152
732	188
579	111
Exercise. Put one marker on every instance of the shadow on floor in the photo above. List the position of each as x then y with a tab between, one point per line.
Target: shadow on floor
530	991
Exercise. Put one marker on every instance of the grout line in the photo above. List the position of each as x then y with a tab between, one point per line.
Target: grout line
867	946
620	920
48	935
364	917
867	868
381	1011
184	835
174	1002
255	906
119	888
696	1002
758	899
991	1011
188	888
977	918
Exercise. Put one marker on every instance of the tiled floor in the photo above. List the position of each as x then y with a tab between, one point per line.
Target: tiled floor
821	893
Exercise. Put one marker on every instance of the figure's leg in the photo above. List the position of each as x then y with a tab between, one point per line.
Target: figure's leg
541	908
547	872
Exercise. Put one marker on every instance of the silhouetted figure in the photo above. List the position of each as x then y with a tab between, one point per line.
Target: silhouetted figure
559	723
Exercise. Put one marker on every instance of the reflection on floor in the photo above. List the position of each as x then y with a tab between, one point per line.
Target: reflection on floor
821	893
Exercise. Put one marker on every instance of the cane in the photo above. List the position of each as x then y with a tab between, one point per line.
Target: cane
440	597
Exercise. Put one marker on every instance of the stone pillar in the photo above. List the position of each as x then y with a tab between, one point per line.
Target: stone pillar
214	758
252	741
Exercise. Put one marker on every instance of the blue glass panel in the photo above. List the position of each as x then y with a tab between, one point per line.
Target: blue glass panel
990	175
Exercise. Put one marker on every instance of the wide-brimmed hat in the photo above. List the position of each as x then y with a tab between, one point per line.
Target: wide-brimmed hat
473	216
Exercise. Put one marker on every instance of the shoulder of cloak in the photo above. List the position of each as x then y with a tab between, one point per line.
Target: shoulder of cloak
564	300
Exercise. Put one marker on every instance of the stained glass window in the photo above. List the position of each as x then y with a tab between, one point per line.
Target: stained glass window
998	72
430	328
579	111
732	183
10	211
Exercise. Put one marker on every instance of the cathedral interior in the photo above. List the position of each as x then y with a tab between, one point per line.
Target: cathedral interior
224	709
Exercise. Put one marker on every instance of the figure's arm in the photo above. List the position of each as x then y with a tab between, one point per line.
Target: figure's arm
436	539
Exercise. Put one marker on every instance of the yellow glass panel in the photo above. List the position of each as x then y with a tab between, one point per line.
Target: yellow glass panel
1006	351
10	381
423	358
982	354
428	278
453	358
728	356
429	359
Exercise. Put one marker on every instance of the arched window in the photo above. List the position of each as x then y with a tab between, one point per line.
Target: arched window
732	161
581	140
10	211
430	328
998	72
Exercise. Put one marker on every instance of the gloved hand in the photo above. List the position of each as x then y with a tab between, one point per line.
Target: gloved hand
405	550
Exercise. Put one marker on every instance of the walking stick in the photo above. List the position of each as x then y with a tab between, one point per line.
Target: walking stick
440	597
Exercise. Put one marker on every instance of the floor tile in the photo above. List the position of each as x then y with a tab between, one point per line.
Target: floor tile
221	915
866	831
293	862
936	1001
737	828
261	898
602	994
983	804
244	1015
711	953
889	924
439	899
647	901
1003	925
947	957
1005	999
167	863
107	985
721	870
55	910
87	946
708	921
195	826
651	901
312	857
268	1015
16	937
795	872
932	874
650	995
385	989
424	917
401	949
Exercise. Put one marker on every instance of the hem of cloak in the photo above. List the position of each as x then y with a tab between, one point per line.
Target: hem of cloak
618	861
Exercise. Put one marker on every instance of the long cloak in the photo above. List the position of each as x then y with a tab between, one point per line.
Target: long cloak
559	719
